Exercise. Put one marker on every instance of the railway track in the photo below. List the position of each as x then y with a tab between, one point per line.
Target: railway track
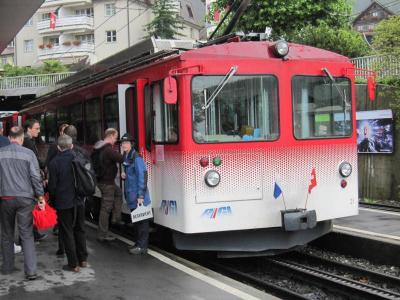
338	280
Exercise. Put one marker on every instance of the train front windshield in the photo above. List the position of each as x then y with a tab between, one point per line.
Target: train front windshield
321	107
239	109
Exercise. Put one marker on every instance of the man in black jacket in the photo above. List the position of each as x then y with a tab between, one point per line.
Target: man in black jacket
70	208
32	130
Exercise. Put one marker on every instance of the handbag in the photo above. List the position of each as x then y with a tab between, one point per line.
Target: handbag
141	213
44	219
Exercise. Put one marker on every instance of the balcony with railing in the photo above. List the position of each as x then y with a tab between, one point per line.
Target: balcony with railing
30	84
60	51
49	3
384	65
69	23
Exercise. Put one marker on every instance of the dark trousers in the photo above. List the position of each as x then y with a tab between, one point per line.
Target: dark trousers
73	235
111	202
19	209
142	233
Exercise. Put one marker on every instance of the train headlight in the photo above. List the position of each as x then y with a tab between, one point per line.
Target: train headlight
212	178
281	48
345	169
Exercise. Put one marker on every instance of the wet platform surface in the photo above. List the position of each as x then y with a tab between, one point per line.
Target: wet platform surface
113	274
378	223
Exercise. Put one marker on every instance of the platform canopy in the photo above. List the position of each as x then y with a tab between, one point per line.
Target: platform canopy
13	16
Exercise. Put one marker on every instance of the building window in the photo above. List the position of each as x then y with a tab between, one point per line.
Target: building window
29	23
375	14
45	16
371	27
54	41
190	12
84	12
85	38
111	36
4	60
28	46
110	9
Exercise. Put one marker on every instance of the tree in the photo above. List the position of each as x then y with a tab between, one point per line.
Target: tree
341	40
287	18
387	37
166	21
49	66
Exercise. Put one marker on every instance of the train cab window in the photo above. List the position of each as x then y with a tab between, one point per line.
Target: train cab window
165	117
93	121
321	107
110	112
76	120
244	109
50	127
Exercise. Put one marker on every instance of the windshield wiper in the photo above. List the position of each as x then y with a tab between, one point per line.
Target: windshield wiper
333	81
220	86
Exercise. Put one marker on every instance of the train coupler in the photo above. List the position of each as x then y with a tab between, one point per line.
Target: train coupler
298	219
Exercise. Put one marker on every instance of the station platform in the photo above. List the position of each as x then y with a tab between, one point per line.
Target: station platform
374	224
113	273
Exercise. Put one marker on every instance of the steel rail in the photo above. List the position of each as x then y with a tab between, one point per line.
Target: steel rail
339	284
257	282
373	275
380	206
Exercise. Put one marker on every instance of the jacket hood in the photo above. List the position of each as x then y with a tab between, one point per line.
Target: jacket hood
100	144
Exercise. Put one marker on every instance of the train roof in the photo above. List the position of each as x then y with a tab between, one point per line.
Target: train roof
152	50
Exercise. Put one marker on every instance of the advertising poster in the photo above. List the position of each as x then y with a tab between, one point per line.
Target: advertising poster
375	133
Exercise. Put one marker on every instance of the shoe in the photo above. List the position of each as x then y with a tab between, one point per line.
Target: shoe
137	250
106	239
60	252
17	249
132	246
119	223
31	276
71	269
84	264
40	237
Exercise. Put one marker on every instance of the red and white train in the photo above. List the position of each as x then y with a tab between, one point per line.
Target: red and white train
250	145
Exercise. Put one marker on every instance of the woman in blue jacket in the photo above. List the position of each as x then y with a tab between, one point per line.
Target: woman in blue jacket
135	189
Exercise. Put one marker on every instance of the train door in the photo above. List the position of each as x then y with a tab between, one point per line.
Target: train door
128	111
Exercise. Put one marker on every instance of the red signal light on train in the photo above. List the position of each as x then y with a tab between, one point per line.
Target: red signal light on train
343	183
204	162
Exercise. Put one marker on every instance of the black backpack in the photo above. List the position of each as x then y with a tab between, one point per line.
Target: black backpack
98	162
84	175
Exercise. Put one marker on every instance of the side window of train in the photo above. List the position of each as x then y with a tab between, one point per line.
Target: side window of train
92	118
148	116
42	134
76	120
63	116
50	127
165	117
110	111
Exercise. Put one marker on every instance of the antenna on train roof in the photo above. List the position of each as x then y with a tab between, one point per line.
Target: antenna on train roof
241	8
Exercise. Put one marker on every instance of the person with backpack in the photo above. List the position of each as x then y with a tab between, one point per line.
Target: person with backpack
135	189
70	206
105	161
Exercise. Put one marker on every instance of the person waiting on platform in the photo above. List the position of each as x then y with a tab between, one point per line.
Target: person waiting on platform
20	184
70	207
32	130
135	188
105	161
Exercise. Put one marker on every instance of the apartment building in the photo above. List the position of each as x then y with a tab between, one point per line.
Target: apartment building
87	31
